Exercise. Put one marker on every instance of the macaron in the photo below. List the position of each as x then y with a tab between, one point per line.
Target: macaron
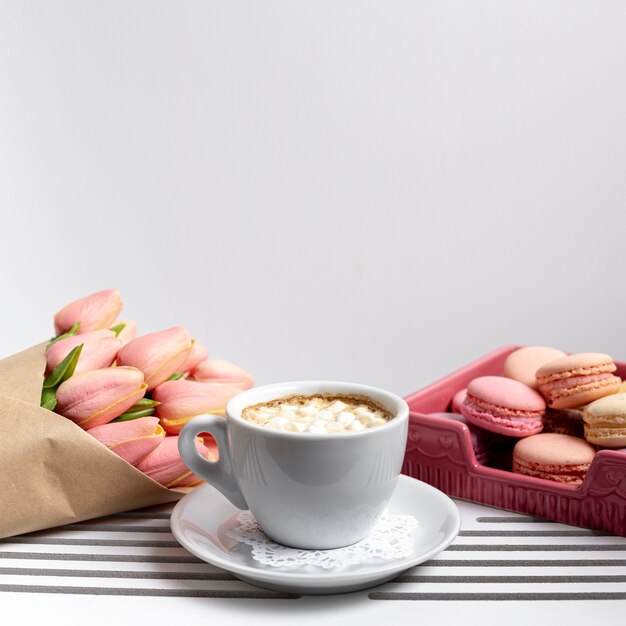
457	400
504	406
482	440
577	379
560	458
605	421
523	363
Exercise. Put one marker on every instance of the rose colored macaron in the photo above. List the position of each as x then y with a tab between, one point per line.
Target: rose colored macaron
457	400
559	458
605	421
503	406
522	364
577	379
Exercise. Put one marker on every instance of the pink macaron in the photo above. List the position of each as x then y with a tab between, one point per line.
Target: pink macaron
522	364
457	400
552	456
503	406
577	379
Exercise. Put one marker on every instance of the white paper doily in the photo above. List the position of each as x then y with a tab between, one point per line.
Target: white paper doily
391	539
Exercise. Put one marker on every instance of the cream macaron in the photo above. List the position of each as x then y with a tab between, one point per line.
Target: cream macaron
605	421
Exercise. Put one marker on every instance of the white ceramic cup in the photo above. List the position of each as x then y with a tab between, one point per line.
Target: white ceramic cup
306	490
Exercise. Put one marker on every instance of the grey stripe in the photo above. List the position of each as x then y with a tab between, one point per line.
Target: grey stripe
106	529
381	595
91	573
534	533
528	563
172	593
122	558
142	515
62	541
582	547
488	519
509	579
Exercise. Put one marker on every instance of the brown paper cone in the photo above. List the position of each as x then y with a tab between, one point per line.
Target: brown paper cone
53	471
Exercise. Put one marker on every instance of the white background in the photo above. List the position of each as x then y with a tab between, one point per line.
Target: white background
370	191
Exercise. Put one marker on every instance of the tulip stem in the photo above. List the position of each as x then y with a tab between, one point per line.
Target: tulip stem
141	408
176	376
144	403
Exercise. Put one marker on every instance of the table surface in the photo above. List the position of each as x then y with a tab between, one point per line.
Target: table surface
130	567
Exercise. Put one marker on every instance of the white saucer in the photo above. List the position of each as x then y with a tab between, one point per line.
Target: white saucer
202	519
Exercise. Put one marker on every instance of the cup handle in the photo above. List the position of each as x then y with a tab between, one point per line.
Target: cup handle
219	473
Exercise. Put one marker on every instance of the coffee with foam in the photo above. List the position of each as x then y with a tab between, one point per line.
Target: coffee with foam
318	414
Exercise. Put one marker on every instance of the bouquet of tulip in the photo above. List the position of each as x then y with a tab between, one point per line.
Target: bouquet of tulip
95	389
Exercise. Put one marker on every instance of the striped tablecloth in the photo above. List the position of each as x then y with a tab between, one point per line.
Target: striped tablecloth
498	556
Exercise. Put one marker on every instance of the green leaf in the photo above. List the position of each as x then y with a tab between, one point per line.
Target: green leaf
144	403
64	369
118	328
176	376
70	333
133	415
49	399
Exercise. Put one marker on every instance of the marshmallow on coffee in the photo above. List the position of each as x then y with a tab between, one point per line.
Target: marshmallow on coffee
317	414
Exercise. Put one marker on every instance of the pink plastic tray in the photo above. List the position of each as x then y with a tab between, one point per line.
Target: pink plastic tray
439	452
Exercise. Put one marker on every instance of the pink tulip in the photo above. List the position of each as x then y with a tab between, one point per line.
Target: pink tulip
198	354
100	347
132	440
180	400
98	310
166	467
96	397
225	372
211	444
157	355
128	333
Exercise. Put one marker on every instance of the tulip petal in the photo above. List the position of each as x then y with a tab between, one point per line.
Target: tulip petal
221	371
198	354
158	355
62	372
97	310
211	445
128	333
96	397
132	441
174	426
180	400
100	347
166	466
135	450
70	333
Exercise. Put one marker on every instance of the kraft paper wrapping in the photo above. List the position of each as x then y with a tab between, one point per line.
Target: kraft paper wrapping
52	471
